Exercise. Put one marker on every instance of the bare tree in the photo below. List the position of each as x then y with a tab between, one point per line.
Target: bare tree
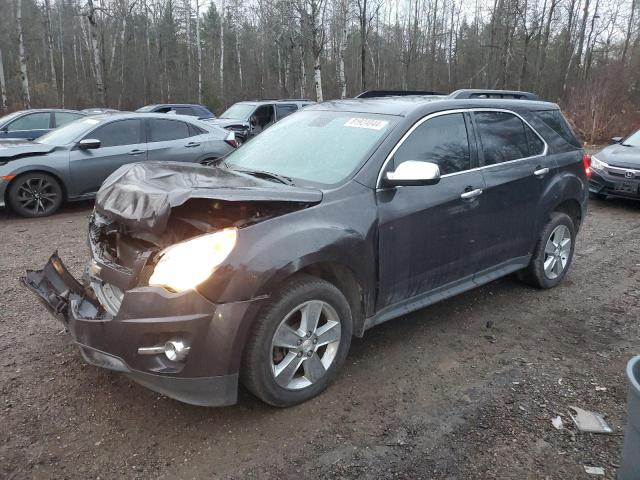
3	87
97	54
24	77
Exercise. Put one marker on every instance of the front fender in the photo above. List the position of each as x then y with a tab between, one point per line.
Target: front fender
266	253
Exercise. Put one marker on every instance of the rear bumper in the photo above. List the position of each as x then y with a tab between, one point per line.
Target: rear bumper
149	317
605	184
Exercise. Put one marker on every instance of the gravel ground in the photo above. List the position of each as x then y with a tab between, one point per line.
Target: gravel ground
464	389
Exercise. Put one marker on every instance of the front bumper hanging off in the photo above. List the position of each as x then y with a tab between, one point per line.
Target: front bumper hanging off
149	317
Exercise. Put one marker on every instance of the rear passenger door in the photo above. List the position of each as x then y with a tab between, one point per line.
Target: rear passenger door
516	170
428	234
173	140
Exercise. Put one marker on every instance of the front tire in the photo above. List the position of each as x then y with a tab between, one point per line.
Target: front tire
298	343
553	253
35	194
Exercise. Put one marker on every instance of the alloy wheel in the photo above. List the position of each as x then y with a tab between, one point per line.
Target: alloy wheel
305	345
557	252
37	195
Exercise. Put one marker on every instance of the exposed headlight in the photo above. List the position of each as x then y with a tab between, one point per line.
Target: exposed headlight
597	164
185	265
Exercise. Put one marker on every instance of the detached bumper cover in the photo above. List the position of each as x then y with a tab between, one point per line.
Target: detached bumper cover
149	317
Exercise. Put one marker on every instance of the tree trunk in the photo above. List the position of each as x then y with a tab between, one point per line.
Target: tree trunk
24	77
221	69
627	37
317	77
97	57
363	44
199	51
583	29
61	46
3	87
49	34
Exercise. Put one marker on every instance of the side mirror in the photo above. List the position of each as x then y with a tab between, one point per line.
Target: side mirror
4	129
413	173
88	144
615	140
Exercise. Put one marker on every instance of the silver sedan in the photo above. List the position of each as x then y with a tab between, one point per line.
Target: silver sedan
71	162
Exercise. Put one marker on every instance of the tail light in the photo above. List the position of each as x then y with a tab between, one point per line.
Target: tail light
231	140
586	161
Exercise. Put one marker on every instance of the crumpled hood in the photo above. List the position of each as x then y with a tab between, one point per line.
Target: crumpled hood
620	156
141	195
11	150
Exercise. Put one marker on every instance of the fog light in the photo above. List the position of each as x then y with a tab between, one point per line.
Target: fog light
176	350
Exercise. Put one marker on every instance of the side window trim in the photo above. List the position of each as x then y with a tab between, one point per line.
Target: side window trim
460	110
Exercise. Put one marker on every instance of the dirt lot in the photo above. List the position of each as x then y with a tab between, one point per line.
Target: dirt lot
464	389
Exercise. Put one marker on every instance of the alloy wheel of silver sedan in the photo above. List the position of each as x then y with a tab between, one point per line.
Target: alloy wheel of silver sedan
37	195
305	345
557	251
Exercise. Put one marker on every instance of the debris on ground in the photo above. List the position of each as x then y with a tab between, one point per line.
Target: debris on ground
594	470
587	421
557	423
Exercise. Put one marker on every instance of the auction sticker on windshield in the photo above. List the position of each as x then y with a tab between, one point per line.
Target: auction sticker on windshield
370	123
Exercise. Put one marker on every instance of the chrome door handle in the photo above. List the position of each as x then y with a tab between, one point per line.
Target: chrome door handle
541	171
471	194
136	152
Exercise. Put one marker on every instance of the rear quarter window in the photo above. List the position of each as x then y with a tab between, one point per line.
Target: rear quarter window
556	121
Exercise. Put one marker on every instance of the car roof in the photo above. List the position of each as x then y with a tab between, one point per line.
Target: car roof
279	100
47	110
127	115
408	104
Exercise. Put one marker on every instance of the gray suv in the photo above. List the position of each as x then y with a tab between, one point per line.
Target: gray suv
248	119
71	162
343	216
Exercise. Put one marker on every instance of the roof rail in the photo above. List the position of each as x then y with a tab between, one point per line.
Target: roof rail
479	93
393	93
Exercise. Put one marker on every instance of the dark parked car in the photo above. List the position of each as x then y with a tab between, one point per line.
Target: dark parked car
190	109
342	216
247	119
31	124
71	162
616	169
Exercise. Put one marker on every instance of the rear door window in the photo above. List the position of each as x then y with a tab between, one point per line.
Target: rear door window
442	140
505	137
161	130
62	118
31	121
284	110
185	111
121	132
557	122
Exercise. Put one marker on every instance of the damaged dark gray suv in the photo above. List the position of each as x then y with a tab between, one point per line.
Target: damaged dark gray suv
340	217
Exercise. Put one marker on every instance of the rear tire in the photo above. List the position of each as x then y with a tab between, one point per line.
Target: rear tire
553	253
298	343
35	194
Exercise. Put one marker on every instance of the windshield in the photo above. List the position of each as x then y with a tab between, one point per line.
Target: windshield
239	111
314	146
68	133
632	140
11	116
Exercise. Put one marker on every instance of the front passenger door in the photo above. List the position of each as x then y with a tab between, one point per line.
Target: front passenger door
427	234
121	142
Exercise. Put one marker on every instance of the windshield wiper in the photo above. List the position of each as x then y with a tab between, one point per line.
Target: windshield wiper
264	174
